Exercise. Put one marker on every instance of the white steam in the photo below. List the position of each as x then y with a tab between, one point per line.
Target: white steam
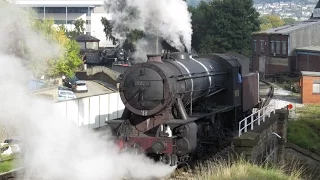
169	19
56	148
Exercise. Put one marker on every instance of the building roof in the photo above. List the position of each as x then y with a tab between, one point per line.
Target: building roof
285	30
86	38
315	13
310	73
59	3
309	48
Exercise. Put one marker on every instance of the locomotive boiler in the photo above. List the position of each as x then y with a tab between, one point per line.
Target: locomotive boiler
176	106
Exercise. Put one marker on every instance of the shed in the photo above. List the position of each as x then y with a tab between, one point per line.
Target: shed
310	87
308	58
88	42
86	38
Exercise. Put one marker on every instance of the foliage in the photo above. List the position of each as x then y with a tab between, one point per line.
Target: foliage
6	166
241	169
111	27
78	29
288	21
79	26
304	132
107	29
132	36
221	26
270	21
69	60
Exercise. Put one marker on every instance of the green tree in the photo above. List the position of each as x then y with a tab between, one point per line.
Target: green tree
224	25
132	36
107	29
288	21
270	21
79	26
78	29
69	60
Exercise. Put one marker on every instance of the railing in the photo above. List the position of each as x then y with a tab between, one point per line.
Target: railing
259	116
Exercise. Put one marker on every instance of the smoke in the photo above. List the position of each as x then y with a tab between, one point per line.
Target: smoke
55	147
169	19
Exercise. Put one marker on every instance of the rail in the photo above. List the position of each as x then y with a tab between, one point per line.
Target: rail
258	116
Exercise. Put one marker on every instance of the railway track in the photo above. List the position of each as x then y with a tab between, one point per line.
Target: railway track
269	95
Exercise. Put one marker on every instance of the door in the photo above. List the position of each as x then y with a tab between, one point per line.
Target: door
262	64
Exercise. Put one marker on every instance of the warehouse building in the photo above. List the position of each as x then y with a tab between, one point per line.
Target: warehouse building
275	50
290	48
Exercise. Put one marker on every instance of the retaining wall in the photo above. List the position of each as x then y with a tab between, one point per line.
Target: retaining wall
261	145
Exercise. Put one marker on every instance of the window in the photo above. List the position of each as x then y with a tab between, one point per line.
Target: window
255	46
272	47
262	45
92	45
277	47
82	45
284	47
316	87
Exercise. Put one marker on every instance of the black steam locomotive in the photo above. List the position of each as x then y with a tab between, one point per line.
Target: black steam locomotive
177	107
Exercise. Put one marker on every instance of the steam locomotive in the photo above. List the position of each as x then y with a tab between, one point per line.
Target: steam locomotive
177	107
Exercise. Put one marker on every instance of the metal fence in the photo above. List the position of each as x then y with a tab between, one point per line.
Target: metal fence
92	111
258	116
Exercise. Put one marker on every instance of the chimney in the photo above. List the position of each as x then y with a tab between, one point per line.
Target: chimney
154	57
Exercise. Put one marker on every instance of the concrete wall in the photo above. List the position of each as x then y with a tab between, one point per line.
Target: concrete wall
306	90
92	112
258	144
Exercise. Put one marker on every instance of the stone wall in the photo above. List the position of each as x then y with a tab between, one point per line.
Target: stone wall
262	143
99	73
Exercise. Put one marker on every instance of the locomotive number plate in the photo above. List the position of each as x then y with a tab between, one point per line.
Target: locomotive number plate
142	83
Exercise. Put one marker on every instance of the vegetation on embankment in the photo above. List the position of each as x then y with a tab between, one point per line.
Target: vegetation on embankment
7	166
305	131
239	170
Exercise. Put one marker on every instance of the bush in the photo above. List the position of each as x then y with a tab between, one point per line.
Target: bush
239	170
305	131
6	166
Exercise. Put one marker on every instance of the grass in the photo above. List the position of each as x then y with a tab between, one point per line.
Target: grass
6	166
239	170
305	131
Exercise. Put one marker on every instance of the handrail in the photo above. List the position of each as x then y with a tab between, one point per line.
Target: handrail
261	115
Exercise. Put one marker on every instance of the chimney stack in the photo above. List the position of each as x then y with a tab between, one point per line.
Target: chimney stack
154	57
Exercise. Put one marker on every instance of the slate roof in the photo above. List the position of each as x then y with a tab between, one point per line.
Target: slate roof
86	38
290	28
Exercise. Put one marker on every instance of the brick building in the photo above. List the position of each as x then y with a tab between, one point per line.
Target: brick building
310	87
275	50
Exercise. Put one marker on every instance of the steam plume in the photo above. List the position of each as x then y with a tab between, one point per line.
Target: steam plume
56	148
169	19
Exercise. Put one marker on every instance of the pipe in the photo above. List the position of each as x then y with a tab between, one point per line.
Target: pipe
181	109
273	133
216	92
199	76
